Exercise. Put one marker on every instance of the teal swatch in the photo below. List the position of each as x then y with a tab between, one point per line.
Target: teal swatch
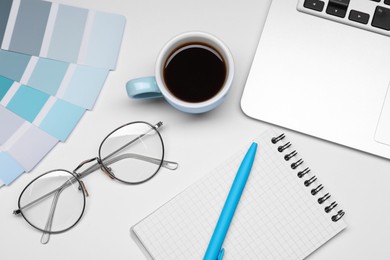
85	86
48	75
10	169
62	119
27	102
68	33
5	85
13	65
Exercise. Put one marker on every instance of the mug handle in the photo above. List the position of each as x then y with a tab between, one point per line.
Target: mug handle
143	88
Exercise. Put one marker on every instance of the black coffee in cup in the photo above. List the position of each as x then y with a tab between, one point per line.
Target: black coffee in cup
194	72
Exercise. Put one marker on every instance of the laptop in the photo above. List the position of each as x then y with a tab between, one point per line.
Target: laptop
322	67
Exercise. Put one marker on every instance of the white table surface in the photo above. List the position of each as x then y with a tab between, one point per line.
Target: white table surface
360	182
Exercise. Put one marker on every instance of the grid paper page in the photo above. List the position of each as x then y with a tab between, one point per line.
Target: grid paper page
277	216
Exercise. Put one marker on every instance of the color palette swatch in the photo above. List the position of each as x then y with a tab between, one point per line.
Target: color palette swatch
27	138
61	32
54	61
77	84
56	116
22	146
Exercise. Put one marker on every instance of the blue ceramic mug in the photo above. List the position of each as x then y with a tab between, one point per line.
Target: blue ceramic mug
193	72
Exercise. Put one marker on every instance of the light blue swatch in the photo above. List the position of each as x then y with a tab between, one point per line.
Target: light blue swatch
27	102
85	86
13	65
9	123
31	147
62	119
68	33
10	169
105	40
48	75
5	85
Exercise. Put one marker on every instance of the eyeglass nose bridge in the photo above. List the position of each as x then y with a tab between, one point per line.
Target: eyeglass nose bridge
89	170
93	168
83	163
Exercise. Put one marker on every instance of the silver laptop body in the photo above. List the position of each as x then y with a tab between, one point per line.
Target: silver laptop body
323	74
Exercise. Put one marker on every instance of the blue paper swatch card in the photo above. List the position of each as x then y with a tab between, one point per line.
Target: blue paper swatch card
61	32
77	84
11	169
53	115
54	61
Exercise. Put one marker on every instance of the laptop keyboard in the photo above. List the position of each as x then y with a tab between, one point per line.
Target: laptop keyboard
371	15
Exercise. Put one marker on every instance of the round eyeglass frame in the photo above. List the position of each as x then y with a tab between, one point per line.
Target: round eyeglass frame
82	211
77	176
107	169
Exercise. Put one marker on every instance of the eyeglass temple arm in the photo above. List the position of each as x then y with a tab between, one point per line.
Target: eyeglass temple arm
165	163
46	196
46	234
97	166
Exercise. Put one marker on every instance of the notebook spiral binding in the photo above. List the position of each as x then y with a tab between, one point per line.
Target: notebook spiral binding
308	182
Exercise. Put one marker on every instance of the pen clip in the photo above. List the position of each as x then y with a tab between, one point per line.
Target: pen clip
220	255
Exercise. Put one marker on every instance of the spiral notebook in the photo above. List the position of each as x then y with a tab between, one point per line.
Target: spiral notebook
285	212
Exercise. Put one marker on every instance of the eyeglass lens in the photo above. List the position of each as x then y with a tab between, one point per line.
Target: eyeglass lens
53	202
132	153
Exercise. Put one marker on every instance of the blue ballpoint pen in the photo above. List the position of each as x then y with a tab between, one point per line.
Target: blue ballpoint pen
214	250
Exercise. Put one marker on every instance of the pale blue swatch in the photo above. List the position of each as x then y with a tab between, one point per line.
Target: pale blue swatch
10	169
27	102
12	64
62	119
9	123
31	147
48	75
68	33
5	85
85	86
105	40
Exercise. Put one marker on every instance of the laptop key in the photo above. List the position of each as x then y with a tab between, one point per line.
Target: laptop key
359	17
370	15
381	18
315	5
337	8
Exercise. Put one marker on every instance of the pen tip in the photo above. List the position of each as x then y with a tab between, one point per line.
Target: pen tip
221	253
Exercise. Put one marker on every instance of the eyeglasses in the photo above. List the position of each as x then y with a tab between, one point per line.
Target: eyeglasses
54	202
